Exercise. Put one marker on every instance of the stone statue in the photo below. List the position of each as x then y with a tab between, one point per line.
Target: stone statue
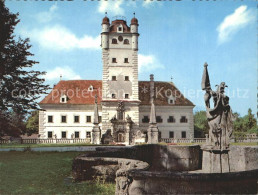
220	118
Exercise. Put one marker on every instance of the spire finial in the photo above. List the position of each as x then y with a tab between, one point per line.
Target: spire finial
60	77
171	79
106	14
205	64
134	14
96	99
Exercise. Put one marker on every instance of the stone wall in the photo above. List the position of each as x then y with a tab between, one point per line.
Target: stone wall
162	169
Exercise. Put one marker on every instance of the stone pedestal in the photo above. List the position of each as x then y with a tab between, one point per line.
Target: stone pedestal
153	134
215	161
96	135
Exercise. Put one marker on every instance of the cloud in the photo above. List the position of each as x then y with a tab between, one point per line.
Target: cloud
234	22
61	38
112	7
47	16
147	3
148	63
66	72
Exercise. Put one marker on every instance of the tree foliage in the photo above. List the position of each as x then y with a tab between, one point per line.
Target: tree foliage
201	126
32	123
20	86
242	125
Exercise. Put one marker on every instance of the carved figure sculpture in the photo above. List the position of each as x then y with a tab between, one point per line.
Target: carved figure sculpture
220	118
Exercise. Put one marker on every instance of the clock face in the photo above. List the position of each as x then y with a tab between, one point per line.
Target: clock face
120	38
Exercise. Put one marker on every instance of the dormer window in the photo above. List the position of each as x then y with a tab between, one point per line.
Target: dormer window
171	100
114	41
90	88
120	28
63	99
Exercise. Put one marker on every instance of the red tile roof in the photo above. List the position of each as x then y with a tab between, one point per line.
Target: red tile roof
77	93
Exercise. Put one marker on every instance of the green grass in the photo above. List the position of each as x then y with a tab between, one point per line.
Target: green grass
43	173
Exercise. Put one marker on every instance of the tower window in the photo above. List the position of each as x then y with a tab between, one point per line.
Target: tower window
114	41
63	119
159	119
76	119
126	60
183	119
171	134
126	78
126	96
113	60
171	119
183	134
88	119
145	119
126	41
113	96
113	78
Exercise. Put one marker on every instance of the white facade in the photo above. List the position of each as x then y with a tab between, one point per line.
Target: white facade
64	116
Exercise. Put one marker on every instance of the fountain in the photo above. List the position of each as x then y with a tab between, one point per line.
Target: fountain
214	168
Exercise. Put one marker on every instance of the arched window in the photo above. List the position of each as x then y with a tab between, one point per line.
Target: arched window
114	41
126	41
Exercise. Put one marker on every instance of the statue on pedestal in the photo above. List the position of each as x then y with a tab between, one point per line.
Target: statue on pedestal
220	118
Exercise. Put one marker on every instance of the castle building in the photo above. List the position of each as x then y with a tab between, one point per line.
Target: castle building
123	101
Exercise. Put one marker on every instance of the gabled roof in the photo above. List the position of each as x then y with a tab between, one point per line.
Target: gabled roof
78	93
163	91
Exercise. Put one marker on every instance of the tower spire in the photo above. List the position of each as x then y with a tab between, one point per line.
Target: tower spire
96	112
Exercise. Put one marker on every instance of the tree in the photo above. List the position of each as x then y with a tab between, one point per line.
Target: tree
201	126
32	123
20	86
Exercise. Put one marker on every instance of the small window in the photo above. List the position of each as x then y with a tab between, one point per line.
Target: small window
159	119
88	135
183	119
114	41
113	78
171	134
183	134
50	119
126	96
77	134
171	101
90	88
126	60
76	119
126	41
63	134
113	60
63	99
63	119
171	119
100	119
119	29
126	78
145	119
49	134
88	119
113	96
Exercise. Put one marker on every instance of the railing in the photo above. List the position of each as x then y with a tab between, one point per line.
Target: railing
46	141
88	140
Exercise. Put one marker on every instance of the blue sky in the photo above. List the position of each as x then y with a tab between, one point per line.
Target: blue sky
176	39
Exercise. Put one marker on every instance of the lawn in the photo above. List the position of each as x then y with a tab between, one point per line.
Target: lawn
44	173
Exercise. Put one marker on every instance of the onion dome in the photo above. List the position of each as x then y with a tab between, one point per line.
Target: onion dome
134	21
105	20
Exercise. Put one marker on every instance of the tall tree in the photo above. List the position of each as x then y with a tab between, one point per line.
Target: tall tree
20	86
32	123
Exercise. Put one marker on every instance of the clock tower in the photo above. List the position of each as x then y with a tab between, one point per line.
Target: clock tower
120	91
